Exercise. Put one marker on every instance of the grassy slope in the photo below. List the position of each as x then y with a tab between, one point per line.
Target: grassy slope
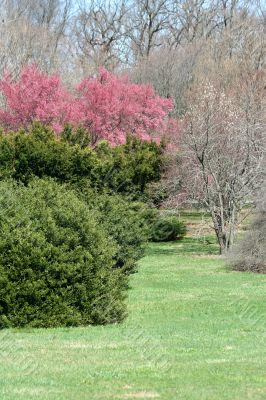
195	331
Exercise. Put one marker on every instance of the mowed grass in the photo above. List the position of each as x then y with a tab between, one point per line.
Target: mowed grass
195	330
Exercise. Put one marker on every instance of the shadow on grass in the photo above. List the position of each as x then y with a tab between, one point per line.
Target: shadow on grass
194	215
186	246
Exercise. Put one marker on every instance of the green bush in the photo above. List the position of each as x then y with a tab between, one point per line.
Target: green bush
74	137
24	156
56	260
157	193
125	169
125	221
167	229
94	225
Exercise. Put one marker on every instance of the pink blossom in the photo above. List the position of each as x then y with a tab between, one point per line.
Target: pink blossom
35	96
108	106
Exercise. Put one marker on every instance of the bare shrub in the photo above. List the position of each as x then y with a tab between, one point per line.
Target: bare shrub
250	253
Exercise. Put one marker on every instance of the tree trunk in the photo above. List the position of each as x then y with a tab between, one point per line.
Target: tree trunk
225	232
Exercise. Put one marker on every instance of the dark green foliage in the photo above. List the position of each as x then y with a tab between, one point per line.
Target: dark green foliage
56	260
125	222
157	192
125	169
167	229
77	136
128	168
66	250
40	153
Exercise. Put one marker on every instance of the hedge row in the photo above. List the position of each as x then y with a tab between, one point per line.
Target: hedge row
70	233
125	169
73	225
64	261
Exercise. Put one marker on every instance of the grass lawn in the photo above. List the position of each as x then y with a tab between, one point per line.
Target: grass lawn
195	330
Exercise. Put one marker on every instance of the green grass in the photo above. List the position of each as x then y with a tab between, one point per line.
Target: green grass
195	330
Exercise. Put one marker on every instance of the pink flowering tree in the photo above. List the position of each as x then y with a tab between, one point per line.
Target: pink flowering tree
35	96
108	106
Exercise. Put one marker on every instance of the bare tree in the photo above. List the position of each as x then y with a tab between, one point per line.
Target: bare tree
100	35
198	37
148	19
32	32
223	155
190	20
170	71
